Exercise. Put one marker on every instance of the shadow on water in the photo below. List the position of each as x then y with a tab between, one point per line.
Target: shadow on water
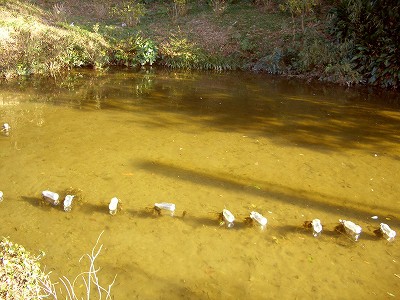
196	221
187	217
41	204
324	117
90	208
148	213
34	201
328	232
145	213
171	289
272	192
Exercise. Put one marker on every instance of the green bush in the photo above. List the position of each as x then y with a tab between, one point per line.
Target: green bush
129	12
312	54
300	8
179	53
373	27
135	51
146	51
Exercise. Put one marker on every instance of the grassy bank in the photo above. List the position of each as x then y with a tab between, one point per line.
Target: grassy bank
273	36
32	42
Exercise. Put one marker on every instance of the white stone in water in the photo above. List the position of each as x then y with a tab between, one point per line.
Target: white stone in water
166	206
51	197
6	127
68	202
351	229
1	196
259	218
317	227
113	206
229	218
388	233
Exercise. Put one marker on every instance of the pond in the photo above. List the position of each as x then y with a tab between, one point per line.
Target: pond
290	150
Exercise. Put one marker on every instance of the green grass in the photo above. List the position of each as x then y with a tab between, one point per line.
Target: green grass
32	42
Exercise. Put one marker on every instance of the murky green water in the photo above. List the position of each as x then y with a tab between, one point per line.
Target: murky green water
290	150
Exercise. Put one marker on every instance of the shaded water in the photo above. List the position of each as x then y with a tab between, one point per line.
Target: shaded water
290	150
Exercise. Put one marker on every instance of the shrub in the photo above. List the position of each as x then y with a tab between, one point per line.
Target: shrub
272	63
129	12
20	273
134	51
218	6
179	8
59	12
373	27
300	8
179	53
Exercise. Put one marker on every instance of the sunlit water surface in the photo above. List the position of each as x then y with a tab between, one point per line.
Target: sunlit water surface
290	150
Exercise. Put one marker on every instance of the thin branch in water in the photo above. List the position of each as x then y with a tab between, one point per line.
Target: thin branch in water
89	276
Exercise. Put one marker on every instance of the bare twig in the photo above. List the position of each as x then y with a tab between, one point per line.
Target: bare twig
89	277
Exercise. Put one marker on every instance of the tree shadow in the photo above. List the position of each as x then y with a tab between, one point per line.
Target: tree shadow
270	191
169	288
288	112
